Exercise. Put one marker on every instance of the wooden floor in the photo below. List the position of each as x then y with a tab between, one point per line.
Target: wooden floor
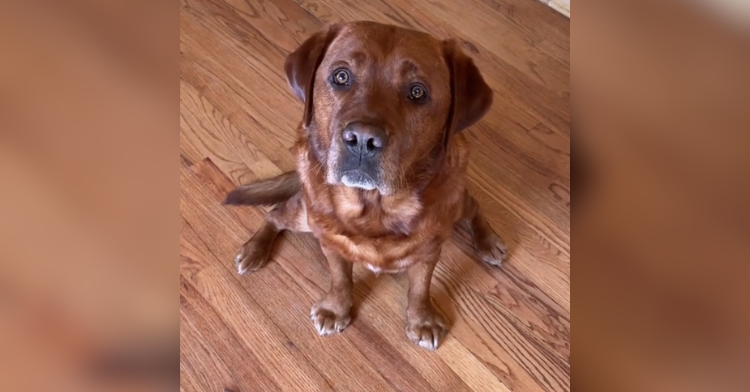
510	326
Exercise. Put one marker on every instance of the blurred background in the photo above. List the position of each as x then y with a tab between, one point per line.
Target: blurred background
89	214
88	211
662	174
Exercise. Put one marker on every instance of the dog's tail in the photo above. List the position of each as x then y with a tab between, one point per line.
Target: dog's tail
266	192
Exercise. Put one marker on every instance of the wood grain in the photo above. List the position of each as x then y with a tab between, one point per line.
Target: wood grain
511	327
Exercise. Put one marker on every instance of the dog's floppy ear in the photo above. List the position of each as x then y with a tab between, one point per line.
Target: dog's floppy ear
471	97
300	66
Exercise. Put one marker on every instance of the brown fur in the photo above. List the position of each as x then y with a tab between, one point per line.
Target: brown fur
401	225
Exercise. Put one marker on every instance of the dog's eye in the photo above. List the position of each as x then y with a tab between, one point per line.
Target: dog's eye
340	77
417	93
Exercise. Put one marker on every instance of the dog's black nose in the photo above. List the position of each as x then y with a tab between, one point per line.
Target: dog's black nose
364	140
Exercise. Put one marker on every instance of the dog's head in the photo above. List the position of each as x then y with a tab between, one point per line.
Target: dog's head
381	102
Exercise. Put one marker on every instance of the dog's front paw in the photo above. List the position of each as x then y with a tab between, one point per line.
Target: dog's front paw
491	249
328	321
252	256
427	331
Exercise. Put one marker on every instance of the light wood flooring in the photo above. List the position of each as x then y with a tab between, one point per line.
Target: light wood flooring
510	326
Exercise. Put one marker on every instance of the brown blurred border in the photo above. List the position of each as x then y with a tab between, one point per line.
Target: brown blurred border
662	167
90	211
89	199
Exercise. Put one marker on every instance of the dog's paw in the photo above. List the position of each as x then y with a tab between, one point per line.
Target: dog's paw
491	249
251	257
327	321
427	331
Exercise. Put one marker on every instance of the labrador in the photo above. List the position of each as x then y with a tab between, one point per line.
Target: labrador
381	162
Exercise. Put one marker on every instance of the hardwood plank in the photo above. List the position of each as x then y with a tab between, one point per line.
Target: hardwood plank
470	369
262	113
511	326
519	298
520	235
251	325
213	353
283	360
507	81
192	256
536	150
535	25
216	137
188	152
539	189
466	288
550	229
505	42
388	297
395	364
271	293
283	22
535	315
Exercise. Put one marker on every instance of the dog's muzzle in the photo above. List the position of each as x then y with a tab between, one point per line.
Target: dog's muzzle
363	145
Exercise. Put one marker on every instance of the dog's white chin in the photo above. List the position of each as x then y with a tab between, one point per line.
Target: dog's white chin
359	183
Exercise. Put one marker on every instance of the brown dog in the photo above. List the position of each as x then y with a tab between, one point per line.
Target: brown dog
380	164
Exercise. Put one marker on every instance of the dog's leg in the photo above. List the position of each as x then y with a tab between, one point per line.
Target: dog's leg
425	326
287	215
333	313
488	245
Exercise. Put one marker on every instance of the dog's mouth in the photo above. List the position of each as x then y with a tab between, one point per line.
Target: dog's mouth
361	171
358	179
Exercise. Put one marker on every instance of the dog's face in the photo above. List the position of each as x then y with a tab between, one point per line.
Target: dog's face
381	102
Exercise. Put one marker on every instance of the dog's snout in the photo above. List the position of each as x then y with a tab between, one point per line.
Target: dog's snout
363	139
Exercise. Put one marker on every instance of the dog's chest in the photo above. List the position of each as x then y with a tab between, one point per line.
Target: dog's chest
386	216
381	255
394	267
386	235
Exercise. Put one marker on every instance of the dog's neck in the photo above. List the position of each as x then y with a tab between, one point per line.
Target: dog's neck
358	210
425	170
378	215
